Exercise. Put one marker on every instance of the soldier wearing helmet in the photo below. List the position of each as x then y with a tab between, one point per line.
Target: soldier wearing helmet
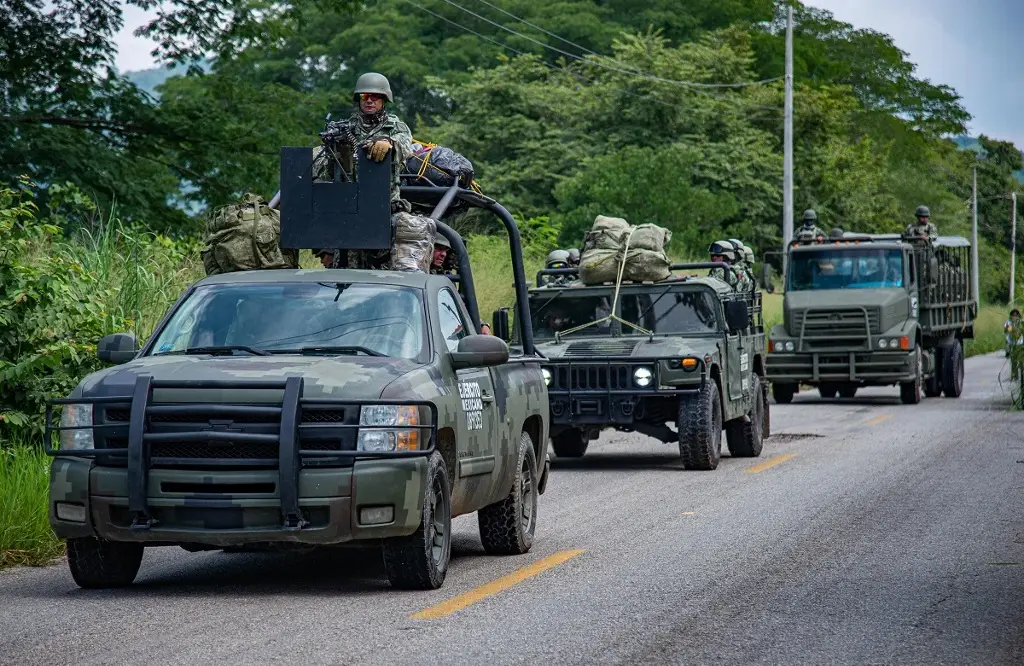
744	268
724	251
442	248
810	230
924	228
372	128
574	258
556	259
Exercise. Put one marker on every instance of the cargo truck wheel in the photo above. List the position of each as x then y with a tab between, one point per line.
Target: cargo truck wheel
700	428
746	437
570	444
827	391
783	393
507	527
953	370
848	391
910	392
98	564
420	561
766	406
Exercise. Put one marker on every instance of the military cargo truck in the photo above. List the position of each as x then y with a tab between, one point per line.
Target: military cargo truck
688	351
873	310
276	408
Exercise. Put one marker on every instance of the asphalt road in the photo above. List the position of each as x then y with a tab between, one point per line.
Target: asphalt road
869	532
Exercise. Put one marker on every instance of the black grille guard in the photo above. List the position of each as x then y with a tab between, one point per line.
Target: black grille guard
631	362
289	460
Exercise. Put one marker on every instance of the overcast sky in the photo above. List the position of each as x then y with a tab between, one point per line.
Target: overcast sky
969	45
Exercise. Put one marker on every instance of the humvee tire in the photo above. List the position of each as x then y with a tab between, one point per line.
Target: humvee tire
783	393
700	428
910	392
570	444
847	391
746	438
98	564
420	561
953	370
507	527
828	391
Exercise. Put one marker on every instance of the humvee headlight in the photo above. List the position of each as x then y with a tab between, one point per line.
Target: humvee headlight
643	377
789	346
72	416
547	376
375	436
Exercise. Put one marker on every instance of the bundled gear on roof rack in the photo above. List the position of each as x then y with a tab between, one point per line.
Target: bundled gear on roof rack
245	236
614	246
436	166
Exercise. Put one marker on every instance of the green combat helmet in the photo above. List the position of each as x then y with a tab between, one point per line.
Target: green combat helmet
810	218
723	248
372	82
557	259
922	211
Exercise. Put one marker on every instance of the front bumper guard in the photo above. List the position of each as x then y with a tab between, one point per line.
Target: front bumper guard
290	454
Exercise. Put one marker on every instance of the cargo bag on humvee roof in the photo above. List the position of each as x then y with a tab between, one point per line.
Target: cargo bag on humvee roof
245	236
439	166
610	240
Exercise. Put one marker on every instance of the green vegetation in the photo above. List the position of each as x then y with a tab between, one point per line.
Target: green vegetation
103	181
25	534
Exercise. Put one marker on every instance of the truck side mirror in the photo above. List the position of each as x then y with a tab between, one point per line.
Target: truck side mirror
117	348
479	351
766	278
500	325
737	315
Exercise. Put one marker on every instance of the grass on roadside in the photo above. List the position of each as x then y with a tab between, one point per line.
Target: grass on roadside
25	534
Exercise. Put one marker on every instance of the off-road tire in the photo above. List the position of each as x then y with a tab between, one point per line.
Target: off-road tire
911	392
848	391
783	393
953	370
767	408
420	560
933	385
700	428
98	564
507	527
827	391
570	444
746	438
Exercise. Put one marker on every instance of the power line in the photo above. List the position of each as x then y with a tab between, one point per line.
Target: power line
597	63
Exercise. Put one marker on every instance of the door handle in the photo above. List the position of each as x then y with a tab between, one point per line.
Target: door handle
486	397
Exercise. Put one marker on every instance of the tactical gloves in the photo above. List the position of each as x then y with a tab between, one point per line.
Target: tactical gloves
378	149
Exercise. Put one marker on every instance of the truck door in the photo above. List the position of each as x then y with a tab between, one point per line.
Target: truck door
737	365
477	417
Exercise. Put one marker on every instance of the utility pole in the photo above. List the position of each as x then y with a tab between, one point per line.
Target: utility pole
1013	248
787	159
974	244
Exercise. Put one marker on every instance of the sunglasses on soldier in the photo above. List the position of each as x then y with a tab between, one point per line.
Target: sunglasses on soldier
369	97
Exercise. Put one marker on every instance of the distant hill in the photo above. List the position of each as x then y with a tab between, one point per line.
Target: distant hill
972	143
149	79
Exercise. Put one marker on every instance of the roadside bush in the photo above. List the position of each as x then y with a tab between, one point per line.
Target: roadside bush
25	534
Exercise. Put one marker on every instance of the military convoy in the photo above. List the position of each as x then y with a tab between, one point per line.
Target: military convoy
873	310
293	408
687	351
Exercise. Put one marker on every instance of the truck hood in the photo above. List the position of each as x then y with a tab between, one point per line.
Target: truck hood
659	347
891	306
345	377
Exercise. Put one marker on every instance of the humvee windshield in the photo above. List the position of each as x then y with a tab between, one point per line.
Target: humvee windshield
847	268
299	317
669	310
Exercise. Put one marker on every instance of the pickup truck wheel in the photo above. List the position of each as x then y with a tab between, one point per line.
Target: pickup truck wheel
98	564
746	437
910	392
700	428
420	561
953	370
570	444
507	527
783	393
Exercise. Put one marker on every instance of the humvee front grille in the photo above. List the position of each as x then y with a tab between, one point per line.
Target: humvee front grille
605	347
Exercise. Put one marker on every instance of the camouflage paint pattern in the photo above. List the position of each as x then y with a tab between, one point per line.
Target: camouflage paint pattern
331	495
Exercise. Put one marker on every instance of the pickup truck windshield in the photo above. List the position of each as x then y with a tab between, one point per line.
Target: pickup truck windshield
294	317
847	268
670	309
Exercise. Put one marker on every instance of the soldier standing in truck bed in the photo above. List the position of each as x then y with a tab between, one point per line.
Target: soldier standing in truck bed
924	228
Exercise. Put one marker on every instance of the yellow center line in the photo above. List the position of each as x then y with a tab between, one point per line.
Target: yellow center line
878	419
455	604
771	462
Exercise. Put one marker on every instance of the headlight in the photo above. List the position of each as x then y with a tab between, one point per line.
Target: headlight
547	376
642	377
381	428
882	343
790	346
76	416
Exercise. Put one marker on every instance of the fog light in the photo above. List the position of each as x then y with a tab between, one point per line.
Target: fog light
376	515
643	377
74	513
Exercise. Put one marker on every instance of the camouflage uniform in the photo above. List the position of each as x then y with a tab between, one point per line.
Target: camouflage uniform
810	229
735	278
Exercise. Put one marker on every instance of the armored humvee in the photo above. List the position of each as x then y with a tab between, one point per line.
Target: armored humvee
688	351
873	310
277	408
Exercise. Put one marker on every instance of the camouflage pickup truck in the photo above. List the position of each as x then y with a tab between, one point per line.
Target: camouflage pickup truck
297	408
686	351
